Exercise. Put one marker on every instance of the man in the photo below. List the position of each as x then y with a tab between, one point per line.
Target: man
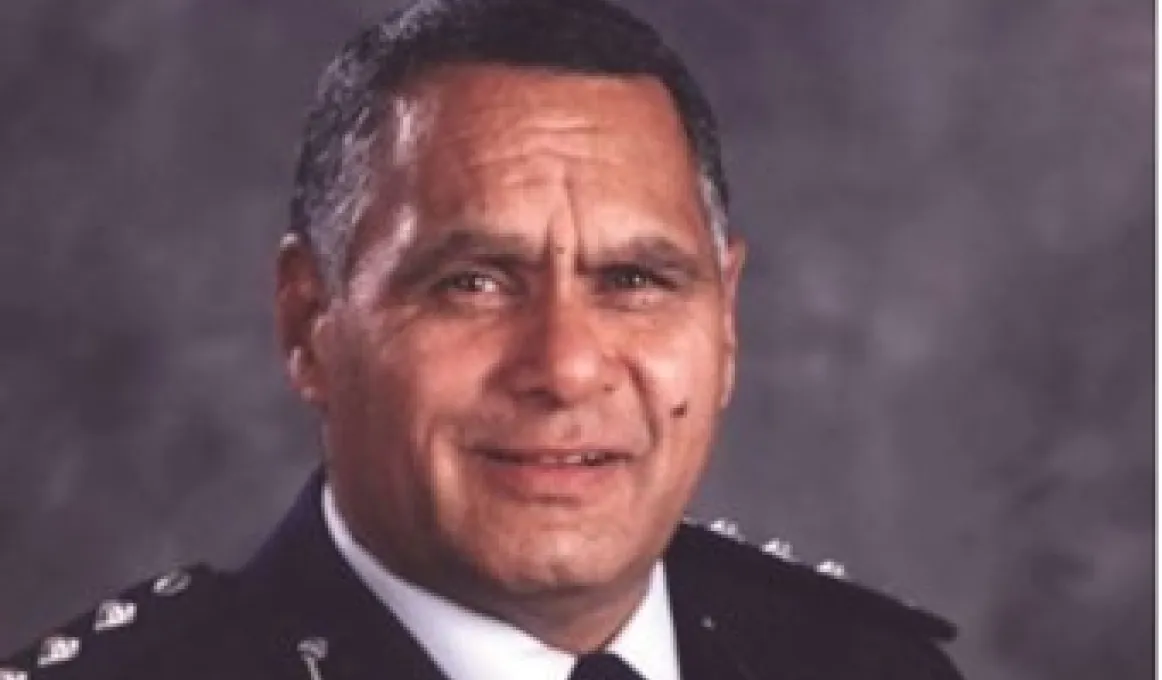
508	291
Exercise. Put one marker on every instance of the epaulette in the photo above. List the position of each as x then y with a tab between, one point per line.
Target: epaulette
825	585
122	631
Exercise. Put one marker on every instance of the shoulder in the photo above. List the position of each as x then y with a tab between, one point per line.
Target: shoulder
763	599
151	629
725	559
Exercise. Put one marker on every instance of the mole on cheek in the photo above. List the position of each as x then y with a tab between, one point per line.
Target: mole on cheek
680	410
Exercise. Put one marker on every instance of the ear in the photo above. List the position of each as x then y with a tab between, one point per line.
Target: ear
731	273
301	305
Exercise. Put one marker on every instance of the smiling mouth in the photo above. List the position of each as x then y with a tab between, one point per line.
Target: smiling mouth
586	458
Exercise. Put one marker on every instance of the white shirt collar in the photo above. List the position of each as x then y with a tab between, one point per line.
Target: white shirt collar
467	645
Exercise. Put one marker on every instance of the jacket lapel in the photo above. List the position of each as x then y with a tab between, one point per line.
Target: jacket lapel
307	608
719	634
314	611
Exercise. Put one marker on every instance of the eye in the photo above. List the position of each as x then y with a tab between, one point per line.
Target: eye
469	282
474	290
630	277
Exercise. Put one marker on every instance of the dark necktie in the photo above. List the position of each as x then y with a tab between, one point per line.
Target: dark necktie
602	666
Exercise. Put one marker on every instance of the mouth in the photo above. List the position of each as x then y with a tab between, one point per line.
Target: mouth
555	476
589	457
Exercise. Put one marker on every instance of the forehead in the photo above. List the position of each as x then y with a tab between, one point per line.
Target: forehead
479	138
482	94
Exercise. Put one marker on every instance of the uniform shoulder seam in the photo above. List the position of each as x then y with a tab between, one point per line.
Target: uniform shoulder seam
739	561
124	631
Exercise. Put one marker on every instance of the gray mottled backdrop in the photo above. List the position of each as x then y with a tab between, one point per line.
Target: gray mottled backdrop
947	327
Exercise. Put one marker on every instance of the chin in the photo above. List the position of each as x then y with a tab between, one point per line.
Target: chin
562	562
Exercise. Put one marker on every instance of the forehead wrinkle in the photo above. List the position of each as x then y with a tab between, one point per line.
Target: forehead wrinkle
570	212
561	189
464	99
545	167
522	135
535	157
545	123
473	145
585	143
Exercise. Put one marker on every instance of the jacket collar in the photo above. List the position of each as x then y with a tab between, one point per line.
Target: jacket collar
300	576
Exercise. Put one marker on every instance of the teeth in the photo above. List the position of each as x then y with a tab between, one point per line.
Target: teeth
589	458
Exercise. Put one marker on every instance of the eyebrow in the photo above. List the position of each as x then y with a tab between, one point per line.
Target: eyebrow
656	253
514	252
463	244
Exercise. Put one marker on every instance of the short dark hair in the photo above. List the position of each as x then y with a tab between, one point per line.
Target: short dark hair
332	181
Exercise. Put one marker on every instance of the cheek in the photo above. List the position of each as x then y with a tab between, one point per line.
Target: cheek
679	370
409	383
678	373
437	367
415	387
437	376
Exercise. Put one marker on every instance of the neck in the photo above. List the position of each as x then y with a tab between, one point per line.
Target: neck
577	622
574	619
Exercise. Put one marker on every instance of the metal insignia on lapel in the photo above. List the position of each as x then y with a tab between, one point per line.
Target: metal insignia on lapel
13	674
727	528
114	614
172	583
832	568
313	650
58	649
780	548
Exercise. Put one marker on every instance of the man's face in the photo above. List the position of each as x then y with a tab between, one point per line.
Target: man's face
521	380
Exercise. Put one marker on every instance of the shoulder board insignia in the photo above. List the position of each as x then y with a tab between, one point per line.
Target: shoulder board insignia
119	629
721	545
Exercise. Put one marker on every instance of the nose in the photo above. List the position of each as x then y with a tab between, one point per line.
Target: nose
559	358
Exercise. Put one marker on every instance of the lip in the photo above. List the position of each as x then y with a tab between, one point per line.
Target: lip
588	456
572	474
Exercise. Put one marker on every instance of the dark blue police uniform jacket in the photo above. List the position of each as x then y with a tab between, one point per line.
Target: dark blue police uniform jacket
297	612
